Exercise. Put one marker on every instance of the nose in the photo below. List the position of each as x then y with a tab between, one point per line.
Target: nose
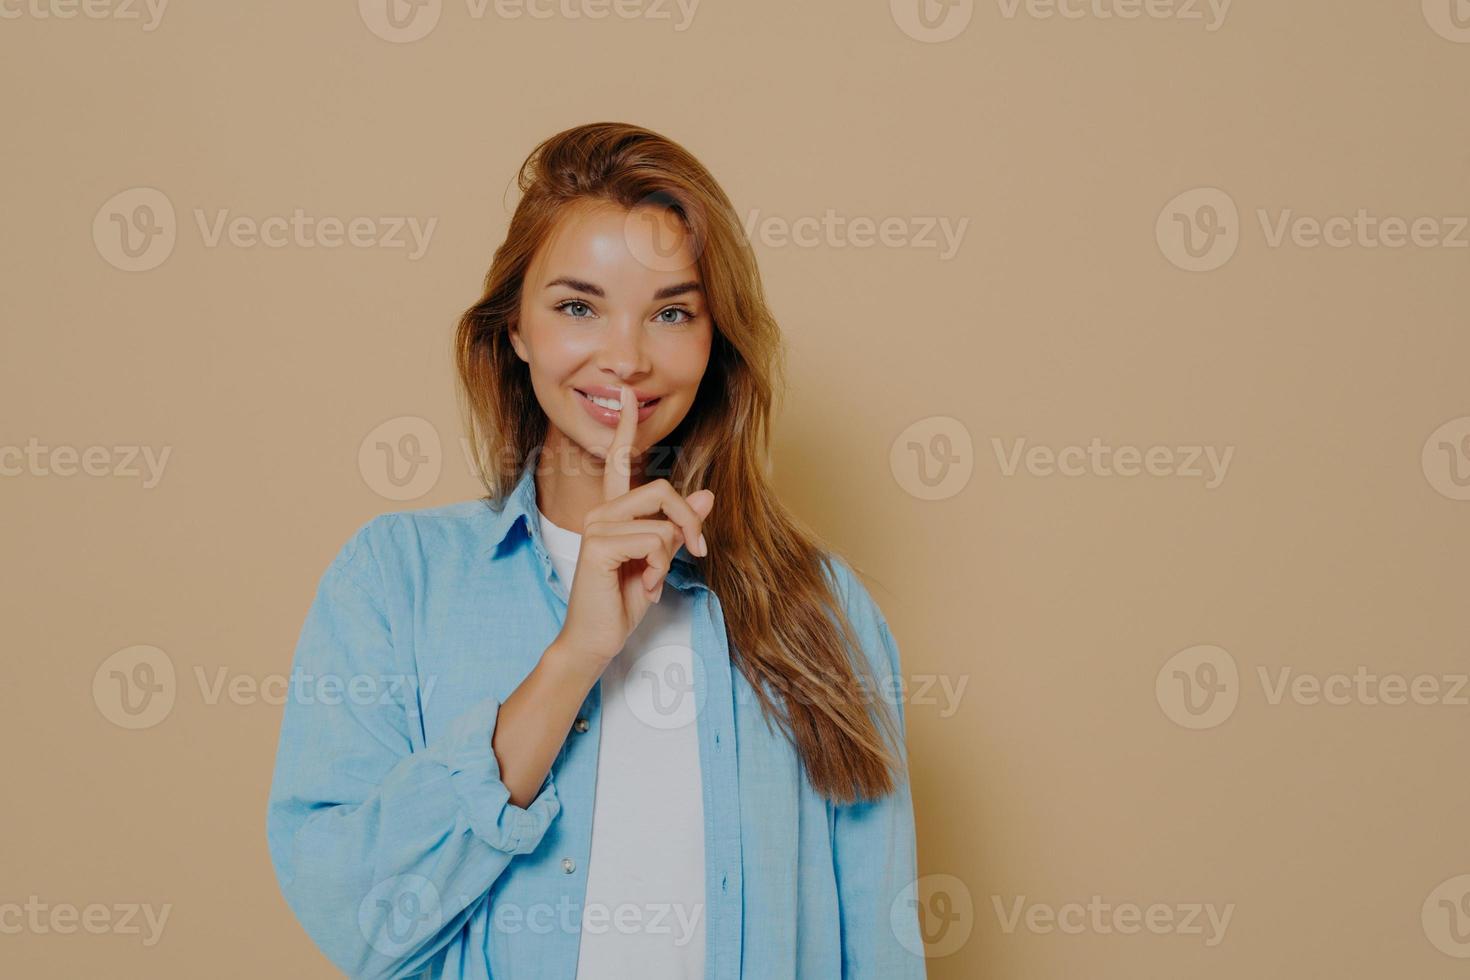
623	351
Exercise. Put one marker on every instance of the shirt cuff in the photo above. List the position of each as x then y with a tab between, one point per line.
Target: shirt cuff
475	774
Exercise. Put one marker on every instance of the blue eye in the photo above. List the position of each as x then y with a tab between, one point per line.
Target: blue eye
571	307
676	309
566	304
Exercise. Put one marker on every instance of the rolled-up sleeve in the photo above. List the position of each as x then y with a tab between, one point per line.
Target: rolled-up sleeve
875	852
384	853
475	774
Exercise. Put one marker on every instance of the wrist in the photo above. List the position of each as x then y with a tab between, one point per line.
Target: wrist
572	664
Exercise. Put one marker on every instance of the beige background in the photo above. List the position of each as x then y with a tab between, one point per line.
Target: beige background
1334	543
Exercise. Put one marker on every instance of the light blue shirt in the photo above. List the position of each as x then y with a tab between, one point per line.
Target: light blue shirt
396	844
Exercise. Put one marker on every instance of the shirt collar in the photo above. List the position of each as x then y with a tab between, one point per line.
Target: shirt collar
520	511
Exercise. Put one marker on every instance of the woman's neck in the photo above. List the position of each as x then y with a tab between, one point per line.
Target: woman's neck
569	484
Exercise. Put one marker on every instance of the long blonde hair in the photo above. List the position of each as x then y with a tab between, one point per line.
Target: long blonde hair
783	615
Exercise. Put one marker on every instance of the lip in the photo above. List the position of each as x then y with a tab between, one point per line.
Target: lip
603	391
607	416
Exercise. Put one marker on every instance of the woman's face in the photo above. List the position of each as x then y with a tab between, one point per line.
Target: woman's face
613	298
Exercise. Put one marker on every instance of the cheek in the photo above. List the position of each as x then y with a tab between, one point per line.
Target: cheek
685	361
554	354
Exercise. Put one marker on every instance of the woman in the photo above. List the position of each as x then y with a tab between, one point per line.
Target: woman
688	763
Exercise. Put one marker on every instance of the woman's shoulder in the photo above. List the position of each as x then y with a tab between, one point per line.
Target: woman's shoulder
862	610
397	541
849	586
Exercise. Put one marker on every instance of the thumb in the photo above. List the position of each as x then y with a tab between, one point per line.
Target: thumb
702	501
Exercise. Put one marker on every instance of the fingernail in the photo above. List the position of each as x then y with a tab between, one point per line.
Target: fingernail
703	551
660	593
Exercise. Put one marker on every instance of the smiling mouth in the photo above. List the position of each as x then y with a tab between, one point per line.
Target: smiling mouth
612	404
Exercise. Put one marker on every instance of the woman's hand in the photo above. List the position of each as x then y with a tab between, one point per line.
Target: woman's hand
624	555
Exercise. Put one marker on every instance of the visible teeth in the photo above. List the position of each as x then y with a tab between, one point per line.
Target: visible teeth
611	403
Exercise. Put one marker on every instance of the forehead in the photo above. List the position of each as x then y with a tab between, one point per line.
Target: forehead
625	252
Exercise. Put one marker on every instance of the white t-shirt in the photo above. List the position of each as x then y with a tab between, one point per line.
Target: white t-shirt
644	912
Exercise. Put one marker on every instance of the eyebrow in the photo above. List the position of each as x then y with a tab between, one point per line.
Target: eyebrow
583	286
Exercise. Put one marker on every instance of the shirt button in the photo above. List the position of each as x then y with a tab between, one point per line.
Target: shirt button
568	865
581	725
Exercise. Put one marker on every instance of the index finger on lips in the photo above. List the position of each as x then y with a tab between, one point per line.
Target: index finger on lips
617	470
